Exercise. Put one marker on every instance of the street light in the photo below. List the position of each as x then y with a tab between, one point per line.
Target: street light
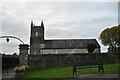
12	37
7	40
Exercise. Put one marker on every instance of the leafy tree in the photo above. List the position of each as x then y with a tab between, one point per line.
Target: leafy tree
111	37
14	54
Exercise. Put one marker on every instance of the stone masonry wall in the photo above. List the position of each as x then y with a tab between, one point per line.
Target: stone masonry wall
52	60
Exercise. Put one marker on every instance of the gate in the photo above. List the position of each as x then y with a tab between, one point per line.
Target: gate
9	61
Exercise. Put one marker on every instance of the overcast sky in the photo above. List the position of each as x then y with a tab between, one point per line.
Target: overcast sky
62	20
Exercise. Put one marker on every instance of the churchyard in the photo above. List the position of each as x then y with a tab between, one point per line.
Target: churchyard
66	72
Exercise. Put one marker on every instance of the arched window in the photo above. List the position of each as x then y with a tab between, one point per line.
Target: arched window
36	34
35	52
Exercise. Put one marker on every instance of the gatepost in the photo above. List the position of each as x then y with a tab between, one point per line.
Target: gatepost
23	57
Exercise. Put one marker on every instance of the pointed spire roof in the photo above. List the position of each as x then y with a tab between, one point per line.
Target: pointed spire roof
31	23
42	24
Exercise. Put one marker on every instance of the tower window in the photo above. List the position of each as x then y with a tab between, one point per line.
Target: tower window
36	34
35	52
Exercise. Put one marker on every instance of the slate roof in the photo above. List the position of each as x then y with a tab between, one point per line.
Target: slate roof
70	43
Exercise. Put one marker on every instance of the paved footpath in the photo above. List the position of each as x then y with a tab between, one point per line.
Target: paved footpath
97	77
8	74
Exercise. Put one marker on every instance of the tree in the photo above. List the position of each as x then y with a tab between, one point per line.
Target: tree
14	54
111	37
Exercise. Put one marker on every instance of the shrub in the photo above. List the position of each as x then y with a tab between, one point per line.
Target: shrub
21	68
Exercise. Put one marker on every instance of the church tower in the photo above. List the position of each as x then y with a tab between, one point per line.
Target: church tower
36	38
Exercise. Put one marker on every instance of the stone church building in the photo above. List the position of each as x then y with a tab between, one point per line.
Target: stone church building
38	44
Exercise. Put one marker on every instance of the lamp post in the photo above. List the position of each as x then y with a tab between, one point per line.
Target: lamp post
12	37
7	40
23	50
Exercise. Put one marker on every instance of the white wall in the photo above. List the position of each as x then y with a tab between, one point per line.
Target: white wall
62	51
96	50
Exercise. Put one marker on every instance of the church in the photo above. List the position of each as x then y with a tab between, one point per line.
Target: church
38	44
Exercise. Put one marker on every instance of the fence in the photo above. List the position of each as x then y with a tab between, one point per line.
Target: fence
9	61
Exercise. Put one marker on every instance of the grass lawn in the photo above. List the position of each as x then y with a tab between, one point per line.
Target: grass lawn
66	72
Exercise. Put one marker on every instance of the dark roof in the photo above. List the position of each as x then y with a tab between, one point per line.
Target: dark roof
70	43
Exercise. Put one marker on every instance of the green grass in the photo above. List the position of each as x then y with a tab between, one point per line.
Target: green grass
56	72
66	72
108	68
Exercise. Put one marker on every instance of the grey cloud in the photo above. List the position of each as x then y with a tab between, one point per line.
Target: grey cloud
62	20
